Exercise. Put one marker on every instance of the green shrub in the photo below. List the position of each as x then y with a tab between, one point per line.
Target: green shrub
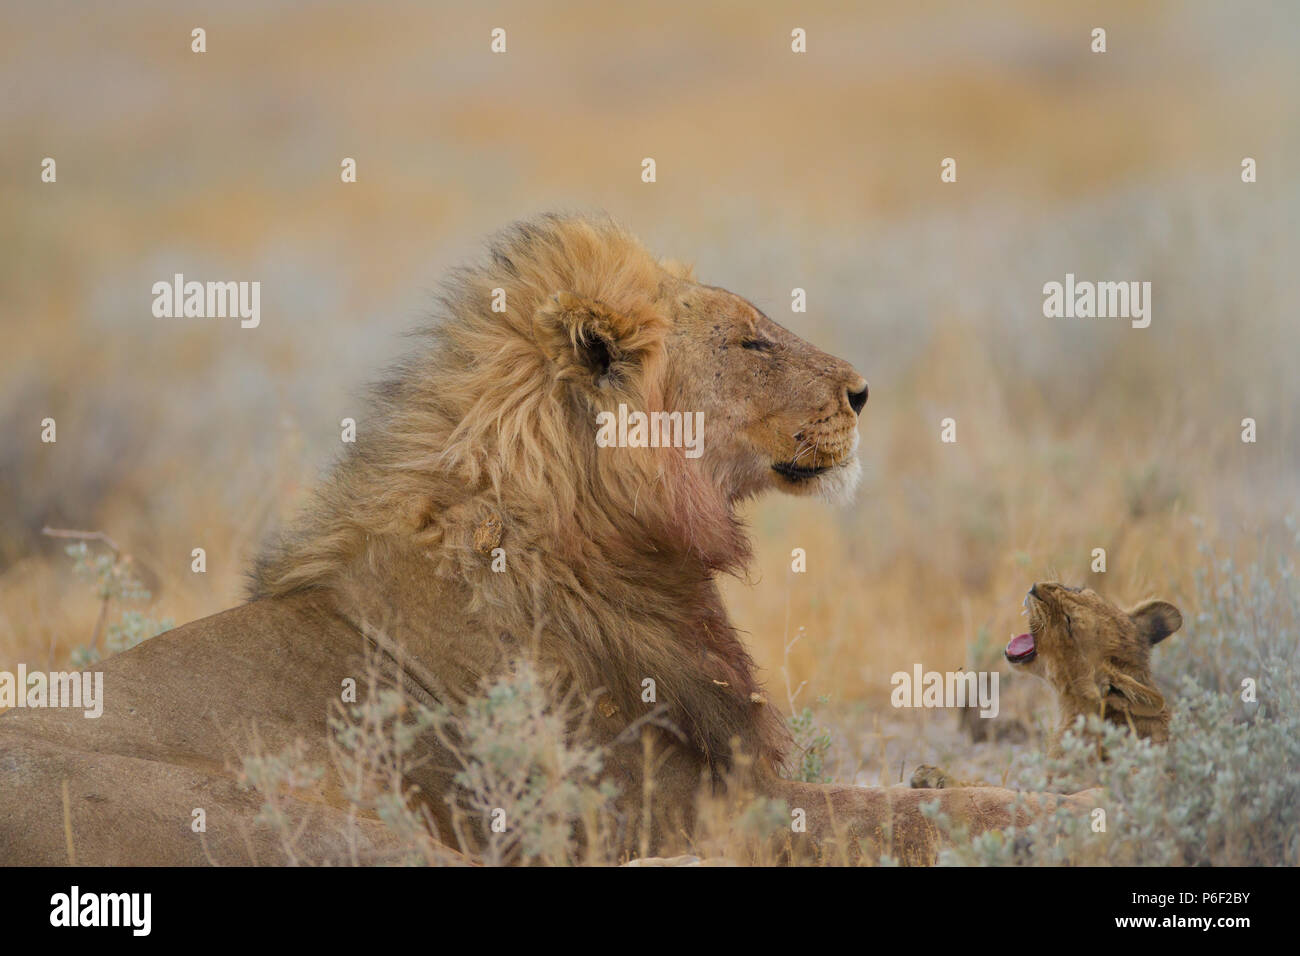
812	743
113	580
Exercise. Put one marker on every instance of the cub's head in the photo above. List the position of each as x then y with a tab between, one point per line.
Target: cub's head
776	412
1096	656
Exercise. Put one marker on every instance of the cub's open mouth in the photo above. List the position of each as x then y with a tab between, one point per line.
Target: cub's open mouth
798	472
1021	649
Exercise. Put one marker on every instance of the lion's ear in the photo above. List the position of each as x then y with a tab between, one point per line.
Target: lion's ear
581	336
1156	620
594	344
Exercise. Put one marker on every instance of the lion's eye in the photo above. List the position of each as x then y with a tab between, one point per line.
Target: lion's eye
758	345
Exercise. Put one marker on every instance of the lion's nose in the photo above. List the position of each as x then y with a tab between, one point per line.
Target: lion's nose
858	399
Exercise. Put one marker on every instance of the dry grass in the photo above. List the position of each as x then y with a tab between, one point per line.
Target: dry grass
775	172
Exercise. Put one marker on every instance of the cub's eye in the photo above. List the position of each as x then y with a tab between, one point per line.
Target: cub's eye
758	345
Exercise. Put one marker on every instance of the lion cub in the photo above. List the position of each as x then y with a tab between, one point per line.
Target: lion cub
1095	656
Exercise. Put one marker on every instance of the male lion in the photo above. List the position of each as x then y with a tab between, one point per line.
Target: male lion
477	521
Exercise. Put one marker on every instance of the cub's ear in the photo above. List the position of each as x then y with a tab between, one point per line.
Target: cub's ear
1156	620
1132	696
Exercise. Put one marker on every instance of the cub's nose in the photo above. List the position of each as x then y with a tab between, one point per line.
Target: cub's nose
858	398
1044	590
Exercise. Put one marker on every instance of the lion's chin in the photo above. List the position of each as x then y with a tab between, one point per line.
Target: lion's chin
833	483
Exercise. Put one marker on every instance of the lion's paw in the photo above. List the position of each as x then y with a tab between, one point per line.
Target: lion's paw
926	777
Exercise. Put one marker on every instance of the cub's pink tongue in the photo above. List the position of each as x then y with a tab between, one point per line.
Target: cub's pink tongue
1020	646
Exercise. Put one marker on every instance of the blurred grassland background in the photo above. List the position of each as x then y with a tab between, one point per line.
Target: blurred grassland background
775	171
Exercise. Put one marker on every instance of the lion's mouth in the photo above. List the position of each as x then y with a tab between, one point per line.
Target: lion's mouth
788	469
1021	649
